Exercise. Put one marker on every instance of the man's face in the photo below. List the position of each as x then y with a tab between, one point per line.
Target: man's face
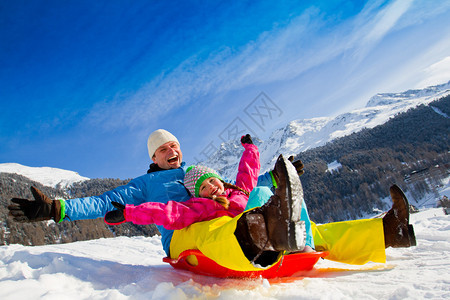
168	156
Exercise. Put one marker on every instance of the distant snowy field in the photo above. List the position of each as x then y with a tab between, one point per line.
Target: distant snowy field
132	268
47	176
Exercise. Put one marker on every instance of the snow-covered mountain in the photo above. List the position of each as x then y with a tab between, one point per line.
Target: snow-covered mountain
295	137
300	135
52	177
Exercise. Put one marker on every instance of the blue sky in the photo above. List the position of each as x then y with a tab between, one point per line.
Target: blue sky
83	83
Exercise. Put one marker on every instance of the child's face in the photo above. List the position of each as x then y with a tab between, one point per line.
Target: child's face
211	187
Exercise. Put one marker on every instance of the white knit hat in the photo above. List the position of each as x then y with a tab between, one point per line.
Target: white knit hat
158	138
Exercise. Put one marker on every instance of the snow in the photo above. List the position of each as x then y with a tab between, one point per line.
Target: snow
132	268
440	112
47	176
334	166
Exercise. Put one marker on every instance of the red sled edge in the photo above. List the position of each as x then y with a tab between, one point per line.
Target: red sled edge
286	267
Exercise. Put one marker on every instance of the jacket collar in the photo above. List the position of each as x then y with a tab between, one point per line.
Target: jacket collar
155	168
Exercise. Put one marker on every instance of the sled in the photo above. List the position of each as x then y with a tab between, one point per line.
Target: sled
286	267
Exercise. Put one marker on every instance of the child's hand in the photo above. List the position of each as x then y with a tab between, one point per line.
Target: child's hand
246	139
116	217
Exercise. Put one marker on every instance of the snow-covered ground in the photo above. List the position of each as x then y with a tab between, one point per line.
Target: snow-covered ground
132	268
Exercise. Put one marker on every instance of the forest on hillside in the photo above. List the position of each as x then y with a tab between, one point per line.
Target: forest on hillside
411	150
48	232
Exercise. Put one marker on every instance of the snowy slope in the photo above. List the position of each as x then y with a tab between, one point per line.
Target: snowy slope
132	268
301	135
47	176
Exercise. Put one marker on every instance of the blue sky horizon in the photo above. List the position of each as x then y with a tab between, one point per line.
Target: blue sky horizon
83	83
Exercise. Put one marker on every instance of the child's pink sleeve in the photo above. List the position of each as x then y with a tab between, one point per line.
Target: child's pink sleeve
249	168
173	215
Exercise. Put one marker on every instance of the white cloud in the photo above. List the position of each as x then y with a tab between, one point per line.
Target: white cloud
276	56
372	26
437	73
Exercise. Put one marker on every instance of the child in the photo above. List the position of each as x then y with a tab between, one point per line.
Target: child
218	198
212	198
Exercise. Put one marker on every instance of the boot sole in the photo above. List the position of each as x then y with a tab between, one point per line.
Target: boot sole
412	236
294	191
297	236
408	237
399	190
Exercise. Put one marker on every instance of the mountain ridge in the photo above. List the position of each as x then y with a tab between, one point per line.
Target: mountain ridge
297	136
47	176
301	135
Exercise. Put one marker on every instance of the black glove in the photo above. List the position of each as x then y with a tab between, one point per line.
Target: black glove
41	209
115	217
298	164
246	139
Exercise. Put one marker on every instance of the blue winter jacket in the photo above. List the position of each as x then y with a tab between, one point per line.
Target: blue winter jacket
160	186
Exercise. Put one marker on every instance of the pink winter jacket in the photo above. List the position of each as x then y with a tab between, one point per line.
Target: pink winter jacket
177	215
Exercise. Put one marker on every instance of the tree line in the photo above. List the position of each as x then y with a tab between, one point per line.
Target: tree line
42	233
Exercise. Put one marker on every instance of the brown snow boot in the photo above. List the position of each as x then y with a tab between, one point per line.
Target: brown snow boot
281	213
398	232
275	227
251	234
258	231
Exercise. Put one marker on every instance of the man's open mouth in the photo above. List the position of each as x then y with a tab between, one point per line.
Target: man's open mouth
173	159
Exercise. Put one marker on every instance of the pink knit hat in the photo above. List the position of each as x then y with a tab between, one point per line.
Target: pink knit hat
195	175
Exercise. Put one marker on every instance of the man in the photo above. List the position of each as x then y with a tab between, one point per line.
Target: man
164	182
